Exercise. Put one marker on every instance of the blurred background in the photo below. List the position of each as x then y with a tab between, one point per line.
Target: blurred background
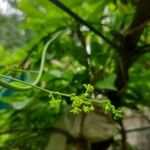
103	43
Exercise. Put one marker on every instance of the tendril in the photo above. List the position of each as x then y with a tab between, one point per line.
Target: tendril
40	72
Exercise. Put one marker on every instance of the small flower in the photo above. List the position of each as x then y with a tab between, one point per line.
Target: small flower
76	110
55	103
77	101
89	87
117	114
88	109
92	108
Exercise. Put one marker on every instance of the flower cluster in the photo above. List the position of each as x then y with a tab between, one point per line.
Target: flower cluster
89	88
109	108
82	102
55	103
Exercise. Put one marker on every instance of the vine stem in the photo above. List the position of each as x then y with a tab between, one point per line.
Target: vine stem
35	86
99	101
10	86
42	89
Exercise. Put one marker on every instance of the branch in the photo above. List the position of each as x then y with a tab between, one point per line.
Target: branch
138	129
9	86
140	19
80	20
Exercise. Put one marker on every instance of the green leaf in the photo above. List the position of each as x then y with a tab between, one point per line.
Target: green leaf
107	83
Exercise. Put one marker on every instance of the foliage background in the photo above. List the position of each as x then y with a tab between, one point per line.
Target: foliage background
78	56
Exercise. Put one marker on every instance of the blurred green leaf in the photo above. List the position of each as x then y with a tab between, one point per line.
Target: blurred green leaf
107	83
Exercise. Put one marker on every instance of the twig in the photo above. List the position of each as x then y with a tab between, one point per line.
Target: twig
37	87
138	129
123	135
82	21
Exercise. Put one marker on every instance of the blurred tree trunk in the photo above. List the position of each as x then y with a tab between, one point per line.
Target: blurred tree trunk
128	54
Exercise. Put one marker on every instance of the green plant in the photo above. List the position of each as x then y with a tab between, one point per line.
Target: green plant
103	43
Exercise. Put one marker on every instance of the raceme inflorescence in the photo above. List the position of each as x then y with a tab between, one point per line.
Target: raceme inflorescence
84	103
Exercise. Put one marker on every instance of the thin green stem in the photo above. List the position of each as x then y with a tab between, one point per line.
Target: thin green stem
95	101
99	101
35	86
